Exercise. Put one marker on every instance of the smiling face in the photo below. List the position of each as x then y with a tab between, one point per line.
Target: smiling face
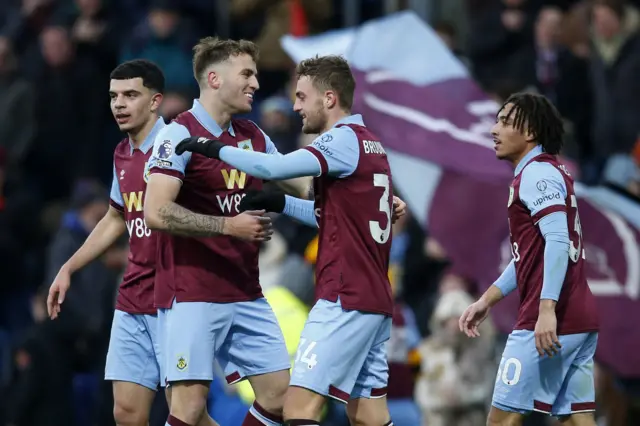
310	105
132	104
236	80
510	143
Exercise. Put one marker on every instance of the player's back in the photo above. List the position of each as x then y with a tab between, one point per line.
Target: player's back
135	295
354	218
576	309
217	269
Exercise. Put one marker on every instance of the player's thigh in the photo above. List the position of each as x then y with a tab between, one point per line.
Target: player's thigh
368	404
132	403
131	355
527	381
160	343
330	353
374	374
194	333
577	395
255	347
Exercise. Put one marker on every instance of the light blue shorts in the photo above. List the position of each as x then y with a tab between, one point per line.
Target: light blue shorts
243	337
342	354
558	385
134	351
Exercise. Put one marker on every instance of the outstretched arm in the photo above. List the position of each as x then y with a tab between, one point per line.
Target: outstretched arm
335	152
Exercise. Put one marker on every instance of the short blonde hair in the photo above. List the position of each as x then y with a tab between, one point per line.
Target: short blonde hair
212	50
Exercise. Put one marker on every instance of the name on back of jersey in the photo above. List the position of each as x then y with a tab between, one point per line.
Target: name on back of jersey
373	147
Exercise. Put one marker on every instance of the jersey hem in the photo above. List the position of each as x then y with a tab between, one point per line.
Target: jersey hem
137	311
251	298
352	307
561	331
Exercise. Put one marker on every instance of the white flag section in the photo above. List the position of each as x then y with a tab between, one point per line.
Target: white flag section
434	121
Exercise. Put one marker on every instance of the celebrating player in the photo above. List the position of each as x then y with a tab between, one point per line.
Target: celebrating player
341	353
547	364
207	277
133	359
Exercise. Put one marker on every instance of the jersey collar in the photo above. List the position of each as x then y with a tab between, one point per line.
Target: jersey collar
351	119
530	156
207	121
147	143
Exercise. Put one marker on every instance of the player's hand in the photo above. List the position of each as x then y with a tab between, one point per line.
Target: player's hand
472	317
271	201
545	332
207	147
399	209
57	292
250	225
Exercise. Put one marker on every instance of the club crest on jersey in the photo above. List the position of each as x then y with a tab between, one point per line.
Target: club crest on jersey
145	173
245	145
182	363
511	193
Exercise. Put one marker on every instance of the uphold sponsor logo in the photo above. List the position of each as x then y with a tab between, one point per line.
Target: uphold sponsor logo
547	197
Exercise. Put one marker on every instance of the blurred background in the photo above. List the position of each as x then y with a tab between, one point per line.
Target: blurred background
429	83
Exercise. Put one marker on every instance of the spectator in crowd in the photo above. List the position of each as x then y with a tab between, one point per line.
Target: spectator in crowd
277	120
66	125
173	103
17	118
280	17
562	77
457	373
615	66
500	38
166	39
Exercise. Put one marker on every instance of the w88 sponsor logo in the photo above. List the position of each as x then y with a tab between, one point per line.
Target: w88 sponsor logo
137	227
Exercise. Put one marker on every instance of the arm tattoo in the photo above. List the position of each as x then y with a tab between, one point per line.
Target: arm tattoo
180	221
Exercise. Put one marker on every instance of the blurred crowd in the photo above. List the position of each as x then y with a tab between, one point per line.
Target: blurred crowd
56	145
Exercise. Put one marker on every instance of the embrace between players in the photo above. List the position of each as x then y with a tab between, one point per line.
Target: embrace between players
191	195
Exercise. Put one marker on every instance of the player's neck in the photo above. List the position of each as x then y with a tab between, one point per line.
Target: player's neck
215	110
522	155
138	136
334	118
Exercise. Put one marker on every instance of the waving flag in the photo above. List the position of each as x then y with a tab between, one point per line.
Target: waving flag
434	122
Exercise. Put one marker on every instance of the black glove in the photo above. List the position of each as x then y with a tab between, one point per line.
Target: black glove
207	147
271	201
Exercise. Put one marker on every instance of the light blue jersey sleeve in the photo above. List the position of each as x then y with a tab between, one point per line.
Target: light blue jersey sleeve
164	159
337	151
268	166
301	210
542	189
116	194
507	281
555	230
544	192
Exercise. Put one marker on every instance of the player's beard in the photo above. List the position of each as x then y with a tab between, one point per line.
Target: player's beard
315	122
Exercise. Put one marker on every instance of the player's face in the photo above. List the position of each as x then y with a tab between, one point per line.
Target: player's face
132	104
509	142
238	81
309	104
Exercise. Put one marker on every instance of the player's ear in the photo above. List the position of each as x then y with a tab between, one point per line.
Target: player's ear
213	79
330	99
156	100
